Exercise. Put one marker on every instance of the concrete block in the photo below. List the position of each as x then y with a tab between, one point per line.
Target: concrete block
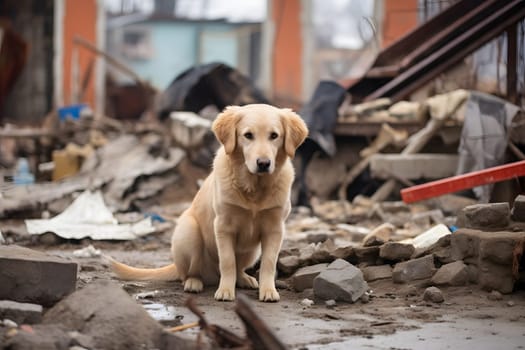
396	251
453	274
20	312
415	269
484	216
413	166
27	275
340	281
518	209
304	277
373	273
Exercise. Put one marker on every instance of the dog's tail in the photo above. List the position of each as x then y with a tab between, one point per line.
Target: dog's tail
126	272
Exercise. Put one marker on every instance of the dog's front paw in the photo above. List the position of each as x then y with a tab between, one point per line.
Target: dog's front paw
246	281
193	285
225	294
268	294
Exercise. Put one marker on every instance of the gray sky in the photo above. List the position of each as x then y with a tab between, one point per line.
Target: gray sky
233	10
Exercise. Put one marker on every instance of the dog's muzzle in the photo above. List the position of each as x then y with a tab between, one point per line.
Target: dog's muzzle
263	165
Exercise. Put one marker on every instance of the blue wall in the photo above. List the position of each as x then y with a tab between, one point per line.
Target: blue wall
178	46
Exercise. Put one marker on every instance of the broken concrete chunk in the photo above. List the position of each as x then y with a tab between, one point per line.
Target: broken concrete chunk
304	277
288	264
373	273
433	294
484	216
381	234
413	166
415	269
27	275
430	237
453	274
518	210
340	281
396	251
20	312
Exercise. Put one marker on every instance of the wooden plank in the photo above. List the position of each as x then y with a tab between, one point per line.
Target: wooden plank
462	182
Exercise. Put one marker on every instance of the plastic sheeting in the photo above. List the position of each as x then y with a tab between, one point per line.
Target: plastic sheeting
484	136
88	216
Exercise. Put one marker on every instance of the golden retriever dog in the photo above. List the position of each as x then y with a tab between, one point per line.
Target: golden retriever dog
238	214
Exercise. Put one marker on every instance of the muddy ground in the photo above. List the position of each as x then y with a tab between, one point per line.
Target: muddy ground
395	317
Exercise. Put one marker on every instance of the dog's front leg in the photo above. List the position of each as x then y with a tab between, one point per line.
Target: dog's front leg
227	266
271	241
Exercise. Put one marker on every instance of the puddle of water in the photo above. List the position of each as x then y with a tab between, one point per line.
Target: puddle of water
161	312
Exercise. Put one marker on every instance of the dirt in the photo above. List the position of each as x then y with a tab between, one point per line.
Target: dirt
395	316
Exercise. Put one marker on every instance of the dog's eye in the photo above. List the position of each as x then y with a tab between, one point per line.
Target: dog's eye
273	136
248	135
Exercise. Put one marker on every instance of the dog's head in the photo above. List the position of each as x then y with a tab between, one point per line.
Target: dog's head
261	133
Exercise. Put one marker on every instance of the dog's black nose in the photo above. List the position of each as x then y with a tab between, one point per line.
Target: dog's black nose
263	165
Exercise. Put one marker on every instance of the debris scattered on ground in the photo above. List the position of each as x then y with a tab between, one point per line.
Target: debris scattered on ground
87	252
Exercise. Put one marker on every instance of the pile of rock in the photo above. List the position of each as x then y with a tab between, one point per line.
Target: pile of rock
487	250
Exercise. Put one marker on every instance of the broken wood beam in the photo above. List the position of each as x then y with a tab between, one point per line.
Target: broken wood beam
462	182
261	337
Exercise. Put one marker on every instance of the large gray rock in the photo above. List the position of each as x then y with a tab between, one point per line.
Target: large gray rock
415	269
340	281
107	314
304	277
484	216
396	251
20	312
27	275
453	274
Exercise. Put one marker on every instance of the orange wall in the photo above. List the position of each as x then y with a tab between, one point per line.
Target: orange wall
400	18
287	50
80	18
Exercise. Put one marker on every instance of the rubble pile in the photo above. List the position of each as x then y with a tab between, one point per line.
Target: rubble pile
484	247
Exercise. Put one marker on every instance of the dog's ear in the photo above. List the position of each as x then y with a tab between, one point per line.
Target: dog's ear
295	131
224	128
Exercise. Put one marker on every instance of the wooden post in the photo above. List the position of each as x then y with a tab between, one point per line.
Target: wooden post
512	53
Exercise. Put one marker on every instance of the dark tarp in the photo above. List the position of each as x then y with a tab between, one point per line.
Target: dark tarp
320	115
209	84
